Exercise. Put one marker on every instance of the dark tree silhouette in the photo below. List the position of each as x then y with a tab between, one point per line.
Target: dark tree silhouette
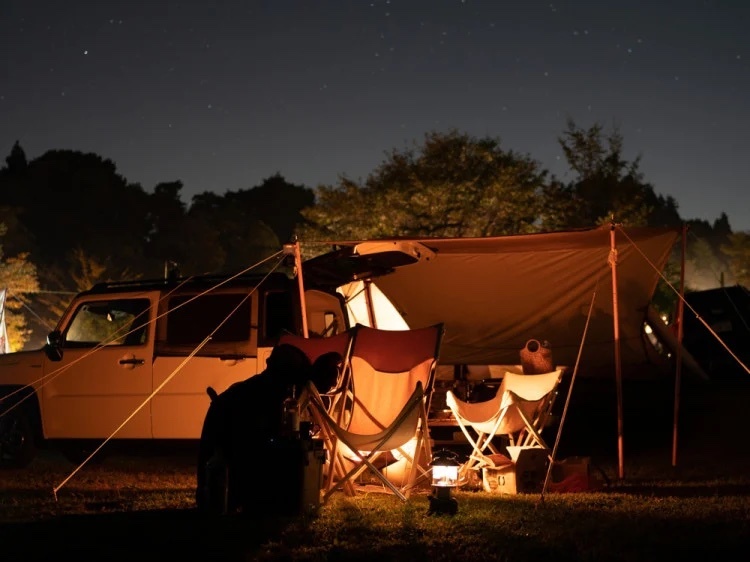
16	161
277	203
607	186
78	221
451	185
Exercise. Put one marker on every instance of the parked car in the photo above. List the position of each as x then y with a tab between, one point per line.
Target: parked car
131	361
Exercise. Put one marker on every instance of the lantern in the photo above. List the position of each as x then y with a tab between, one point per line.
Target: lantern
444	478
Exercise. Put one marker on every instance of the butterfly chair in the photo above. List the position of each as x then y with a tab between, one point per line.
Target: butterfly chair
519	411
392	375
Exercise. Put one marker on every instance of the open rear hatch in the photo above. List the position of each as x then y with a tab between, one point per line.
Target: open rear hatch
357	261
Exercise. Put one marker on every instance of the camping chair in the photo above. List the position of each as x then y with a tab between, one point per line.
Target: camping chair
519	411
392	376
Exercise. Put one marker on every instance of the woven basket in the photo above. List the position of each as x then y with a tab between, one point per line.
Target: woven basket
536	357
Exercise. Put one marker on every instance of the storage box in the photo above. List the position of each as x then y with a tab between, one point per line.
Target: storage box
499	480
525	475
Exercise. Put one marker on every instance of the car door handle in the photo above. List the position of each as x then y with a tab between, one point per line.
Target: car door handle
133	361
232	357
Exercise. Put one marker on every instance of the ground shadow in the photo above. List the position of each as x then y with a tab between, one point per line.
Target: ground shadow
682	490
144	535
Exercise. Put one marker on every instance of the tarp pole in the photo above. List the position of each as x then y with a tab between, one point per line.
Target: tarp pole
4	342
618	365
680	327
371	316
300	282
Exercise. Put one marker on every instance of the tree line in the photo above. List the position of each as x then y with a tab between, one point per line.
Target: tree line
69	220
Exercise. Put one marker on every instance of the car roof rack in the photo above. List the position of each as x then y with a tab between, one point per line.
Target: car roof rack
196	282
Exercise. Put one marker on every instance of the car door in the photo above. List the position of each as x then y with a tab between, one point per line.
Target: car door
100	387
204	339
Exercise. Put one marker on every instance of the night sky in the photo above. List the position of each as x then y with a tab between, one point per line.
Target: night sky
224	94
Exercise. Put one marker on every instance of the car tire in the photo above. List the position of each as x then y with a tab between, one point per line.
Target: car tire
17	440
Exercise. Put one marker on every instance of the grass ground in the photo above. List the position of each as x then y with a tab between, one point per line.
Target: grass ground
142	508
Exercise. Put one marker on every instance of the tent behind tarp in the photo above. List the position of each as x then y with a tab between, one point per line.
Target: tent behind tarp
715	318
495	293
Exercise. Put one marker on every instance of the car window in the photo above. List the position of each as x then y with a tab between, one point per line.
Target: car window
278	316
108	322
225	317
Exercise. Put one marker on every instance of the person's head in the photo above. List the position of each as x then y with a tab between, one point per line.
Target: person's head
289	364
325	371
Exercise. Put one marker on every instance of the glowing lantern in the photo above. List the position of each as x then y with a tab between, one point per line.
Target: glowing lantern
444	478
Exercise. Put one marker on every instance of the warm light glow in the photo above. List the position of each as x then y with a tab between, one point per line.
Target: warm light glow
445	476
408	449
445	469
387	316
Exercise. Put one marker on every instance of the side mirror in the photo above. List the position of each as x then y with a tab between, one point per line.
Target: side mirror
54	346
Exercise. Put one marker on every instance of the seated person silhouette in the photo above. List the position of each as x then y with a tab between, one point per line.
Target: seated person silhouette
325	371
242	434
238	433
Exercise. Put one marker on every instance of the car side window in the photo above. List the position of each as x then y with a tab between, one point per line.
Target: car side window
278	316
108	322
224	317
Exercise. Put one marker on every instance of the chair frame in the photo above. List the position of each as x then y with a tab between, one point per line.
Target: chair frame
525	430
342	438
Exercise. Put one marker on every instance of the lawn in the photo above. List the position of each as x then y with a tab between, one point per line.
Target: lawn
142	507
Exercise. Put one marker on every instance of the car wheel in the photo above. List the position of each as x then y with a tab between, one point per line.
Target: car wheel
17	446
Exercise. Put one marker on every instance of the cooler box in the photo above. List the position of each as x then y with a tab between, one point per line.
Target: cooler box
295	478
524	475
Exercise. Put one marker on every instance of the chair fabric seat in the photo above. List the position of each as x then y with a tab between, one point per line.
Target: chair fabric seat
518	411
389	384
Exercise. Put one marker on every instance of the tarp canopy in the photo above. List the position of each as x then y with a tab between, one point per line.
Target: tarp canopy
496	293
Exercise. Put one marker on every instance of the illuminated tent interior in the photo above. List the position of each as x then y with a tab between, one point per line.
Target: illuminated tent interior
496	293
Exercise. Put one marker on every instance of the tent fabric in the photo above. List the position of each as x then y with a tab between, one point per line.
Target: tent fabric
726	314
494	294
